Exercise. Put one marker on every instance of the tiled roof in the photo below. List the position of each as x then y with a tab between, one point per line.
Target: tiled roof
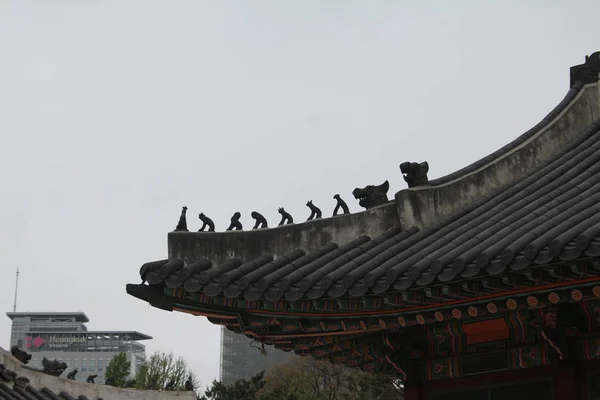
18	388
552	214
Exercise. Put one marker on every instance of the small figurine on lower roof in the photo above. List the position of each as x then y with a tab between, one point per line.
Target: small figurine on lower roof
286	218
315	212
235	222
109	381
182	224
20	354
372	196
71	375
261	222
415	174
54	368
90	378
206	222
170	385
189	384
340	204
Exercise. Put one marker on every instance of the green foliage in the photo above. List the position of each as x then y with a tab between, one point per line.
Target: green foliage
118	370
240	390
162	368
309	379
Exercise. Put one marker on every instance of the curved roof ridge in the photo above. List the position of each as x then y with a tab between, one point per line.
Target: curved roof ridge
423	206
549	119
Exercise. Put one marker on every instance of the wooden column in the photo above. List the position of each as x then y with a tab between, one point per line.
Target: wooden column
412	391
567	382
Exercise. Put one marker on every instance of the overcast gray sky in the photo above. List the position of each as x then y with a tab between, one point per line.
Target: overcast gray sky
114	114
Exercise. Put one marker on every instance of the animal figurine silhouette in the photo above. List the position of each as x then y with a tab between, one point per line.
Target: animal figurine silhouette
54	368
206	222
20	354
286	218
182	225
315	212
90	378
372	196
235	222
340	204
261	222
71	375
415	174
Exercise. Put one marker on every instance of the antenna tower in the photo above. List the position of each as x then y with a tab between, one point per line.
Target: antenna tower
16	291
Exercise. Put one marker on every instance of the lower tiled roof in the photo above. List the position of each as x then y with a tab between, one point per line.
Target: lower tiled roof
553	214
13	387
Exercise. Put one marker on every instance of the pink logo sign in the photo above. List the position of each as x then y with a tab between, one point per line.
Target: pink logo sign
37	342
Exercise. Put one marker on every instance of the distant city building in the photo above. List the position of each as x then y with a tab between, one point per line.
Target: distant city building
64	336
241	359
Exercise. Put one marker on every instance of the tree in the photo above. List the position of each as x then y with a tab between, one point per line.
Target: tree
309	379
118	370
247	390
164	370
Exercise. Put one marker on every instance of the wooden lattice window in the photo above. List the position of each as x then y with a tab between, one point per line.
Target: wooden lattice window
537	390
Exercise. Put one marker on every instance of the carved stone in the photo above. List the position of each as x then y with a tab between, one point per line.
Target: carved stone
415	174
90	378
372	196
20	354
71	375
235	222
182	225
206	222
286	218
315	212
54	368
340	204
261	222
587	72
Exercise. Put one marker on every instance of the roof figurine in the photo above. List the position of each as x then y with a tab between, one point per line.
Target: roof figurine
235	222
588	71
20	354
315	212
54	368
286	218
495	267
182	224
340	204
261	222
206	223
415	174
372	196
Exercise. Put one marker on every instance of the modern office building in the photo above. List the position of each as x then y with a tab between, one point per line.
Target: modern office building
64	336
241	357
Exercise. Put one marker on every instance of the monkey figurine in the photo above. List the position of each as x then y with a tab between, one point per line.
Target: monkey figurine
261	222
235	222
71	375
286	218
182	225
315	212
340	204
206	222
